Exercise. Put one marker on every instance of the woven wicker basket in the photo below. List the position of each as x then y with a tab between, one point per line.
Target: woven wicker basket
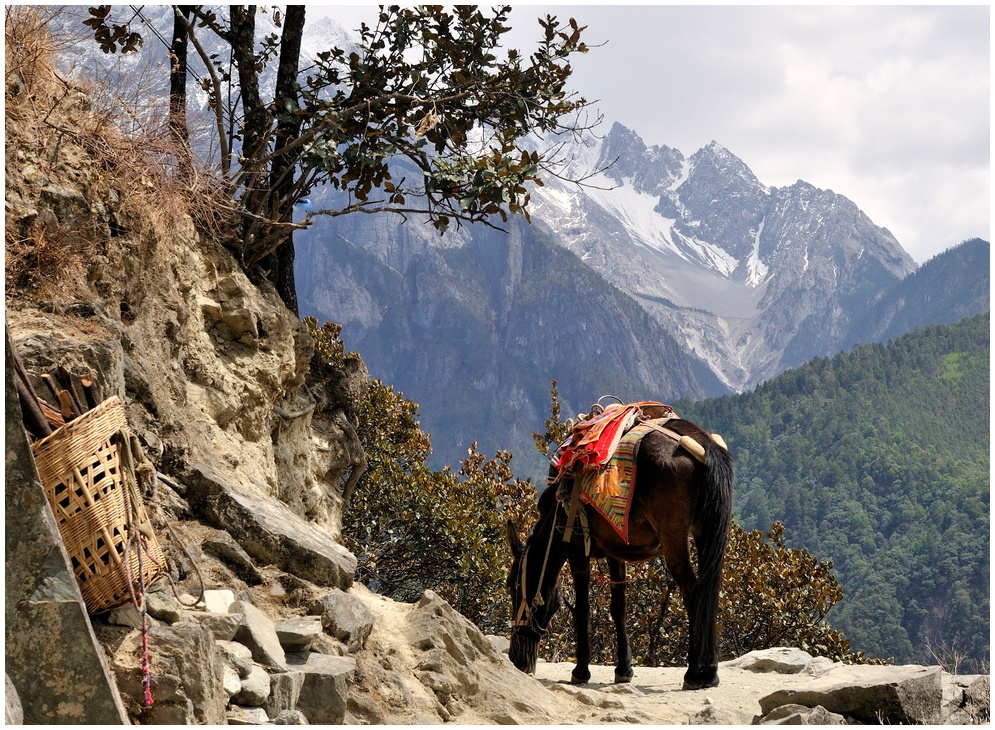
80	470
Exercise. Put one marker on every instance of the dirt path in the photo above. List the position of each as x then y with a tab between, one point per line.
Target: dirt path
655	695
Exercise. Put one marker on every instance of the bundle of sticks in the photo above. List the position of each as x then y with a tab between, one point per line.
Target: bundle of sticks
40	417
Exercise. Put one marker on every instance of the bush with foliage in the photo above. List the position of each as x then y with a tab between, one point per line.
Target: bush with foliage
414	529
771	596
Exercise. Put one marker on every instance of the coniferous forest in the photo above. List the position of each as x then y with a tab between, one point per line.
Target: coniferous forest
878	460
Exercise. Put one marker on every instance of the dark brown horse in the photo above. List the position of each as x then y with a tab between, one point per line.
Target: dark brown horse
675	497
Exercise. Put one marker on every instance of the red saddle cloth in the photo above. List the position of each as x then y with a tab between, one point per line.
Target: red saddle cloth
593	441
600	457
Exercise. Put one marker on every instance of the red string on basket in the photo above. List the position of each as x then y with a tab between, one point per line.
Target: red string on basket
141	604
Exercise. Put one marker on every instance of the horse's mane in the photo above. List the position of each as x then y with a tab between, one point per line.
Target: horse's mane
547	507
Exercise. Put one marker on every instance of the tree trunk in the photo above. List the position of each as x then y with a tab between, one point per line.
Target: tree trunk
283	175
178	89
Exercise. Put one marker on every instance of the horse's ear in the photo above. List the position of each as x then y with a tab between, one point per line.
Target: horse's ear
512	538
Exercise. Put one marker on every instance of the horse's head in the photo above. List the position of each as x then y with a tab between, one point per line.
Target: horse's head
535	597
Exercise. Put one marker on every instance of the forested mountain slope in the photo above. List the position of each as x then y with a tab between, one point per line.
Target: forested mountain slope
949	287
878	459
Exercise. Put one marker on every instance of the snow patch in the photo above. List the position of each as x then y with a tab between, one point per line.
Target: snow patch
756	270
636	211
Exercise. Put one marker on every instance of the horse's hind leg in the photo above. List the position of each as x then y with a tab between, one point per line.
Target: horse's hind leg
678	557
623	657
580	569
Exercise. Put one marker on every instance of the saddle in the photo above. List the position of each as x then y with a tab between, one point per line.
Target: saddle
597	464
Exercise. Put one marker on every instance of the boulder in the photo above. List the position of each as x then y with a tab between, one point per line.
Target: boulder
269	530
298	634
966	699
13	713
781	660
222	625
218	601
801	715
237	656
222	546
258	632
325	689
186	653
128	616
231	682
290	717
165	608
875	694
346	618
247	716
255	689
284	691
501	643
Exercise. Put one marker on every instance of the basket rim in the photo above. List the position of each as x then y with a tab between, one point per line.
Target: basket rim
80	421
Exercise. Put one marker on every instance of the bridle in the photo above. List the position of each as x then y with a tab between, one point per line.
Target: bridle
525	616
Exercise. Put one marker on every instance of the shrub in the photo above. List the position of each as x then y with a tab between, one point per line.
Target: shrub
413	528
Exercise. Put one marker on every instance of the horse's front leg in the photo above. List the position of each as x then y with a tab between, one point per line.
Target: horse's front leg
580	569
623	657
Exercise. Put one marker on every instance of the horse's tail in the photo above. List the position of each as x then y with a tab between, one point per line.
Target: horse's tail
712	520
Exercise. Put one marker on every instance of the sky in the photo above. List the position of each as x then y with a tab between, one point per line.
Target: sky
887	105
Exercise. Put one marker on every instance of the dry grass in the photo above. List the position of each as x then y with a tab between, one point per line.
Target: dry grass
112	143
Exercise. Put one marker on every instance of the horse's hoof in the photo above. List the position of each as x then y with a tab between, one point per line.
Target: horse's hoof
623	678
574	679
700	685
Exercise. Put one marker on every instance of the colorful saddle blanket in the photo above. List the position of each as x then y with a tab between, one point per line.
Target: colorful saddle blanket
601	456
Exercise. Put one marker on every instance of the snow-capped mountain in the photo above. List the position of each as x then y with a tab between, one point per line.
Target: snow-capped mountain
753	279
737	279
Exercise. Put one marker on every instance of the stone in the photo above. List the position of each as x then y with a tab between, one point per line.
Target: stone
290	717
218	601
128	616
231	682
258	632
875	694
165	607
298	634
801	715
501	643
255	689
781	660
241	321
13	713
236	655
966	699
189	651
269	531
325	690
345	617
713	715
284	690
247	716
222	625
209	308
222	546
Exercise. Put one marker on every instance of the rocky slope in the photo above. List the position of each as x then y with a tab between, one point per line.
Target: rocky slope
476	332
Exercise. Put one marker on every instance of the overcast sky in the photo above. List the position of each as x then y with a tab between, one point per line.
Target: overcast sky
887	105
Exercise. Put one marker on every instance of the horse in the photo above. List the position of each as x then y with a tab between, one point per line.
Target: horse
675	498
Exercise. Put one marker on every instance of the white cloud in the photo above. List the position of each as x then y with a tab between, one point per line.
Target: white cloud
887	105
